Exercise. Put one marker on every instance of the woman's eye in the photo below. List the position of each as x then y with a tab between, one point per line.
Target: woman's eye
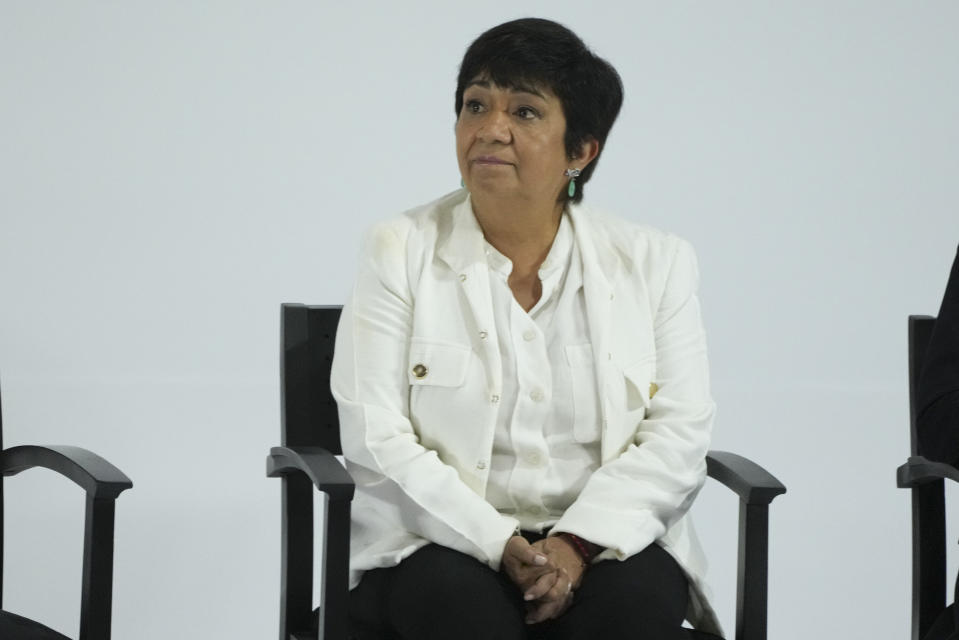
473	106
527	113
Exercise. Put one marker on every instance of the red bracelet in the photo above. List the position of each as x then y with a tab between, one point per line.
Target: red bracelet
586	549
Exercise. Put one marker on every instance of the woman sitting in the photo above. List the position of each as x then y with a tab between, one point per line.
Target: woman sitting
522	382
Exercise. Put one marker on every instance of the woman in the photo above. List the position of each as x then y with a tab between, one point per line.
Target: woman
522	383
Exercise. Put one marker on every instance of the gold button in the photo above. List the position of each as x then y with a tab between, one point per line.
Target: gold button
420	371
653	388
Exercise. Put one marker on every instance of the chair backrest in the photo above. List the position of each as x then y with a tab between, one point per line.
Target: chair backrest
309	417
920	331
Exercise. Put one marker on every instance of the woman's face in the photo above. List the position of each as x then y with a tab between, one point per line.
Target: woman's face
510	142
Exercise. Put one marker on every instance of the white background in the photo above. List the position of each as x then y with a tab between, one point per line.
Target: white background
171	172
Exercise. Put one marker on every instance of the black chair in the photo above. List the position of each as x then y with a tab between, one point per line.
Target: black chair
311	439
925	479
103	483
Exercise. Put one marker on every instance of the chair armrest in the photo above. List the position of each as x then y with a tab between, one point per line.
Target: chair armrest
752	483
321	466
918	470
99	478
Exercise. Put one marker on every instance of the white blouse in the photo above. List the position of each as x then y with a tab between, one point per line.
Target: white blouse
547	437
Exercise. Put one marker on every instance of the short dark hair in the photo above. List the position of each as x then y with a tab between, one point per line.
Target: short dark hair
543	53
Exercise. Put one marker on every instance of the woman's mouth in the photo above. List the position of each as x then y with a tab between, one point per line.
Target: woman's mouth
489	160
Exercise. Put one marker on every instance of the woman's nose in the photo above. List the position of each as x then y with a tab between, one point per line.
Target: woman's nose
496	128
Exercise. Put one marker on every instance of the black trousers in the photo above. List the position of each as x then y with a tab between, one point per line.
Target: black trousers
438	593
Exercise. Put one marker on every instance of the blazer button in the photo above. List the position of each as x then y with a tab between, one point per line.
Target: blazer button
420	371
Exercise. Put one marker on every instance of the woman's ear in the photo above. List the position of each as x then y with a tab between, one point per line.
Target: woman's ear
587	153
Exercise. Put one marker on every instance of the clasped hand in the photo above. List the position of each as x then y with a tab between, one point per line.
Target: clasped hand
546	572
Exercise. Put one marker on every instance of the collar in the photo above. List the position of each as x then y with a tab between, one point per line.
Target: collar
600	256
461	243
556	261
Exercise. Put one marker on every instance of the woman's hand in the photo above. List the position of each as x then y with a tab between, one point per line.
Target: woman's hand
526	565
552	594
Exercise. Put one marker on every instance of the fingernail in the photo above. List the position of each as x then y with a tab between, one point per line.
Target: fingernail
528	597
540	560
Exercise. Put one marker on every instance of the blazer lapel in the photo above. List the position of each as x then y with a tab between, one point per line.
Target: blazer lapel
461	247
600	266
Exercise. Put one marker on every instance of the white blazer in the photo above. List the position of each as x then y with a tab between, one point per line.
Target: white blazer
417	377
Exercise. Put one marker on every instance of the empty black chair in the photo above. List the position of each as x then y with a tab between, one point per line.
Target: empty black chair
103	483
311	440
926	480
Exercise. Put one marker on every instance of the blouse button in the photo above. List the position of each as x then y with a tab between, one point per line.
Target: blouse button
494	399
536	395
420	371
483	335
462	277
481	465
529	335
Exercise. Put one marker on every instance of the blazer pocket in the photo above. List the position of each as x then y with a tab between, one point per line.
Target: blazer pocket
585	397
640	383
438	364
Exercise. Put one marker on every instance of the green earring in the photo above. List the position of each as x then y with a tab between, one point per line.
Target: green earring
572	174
462	184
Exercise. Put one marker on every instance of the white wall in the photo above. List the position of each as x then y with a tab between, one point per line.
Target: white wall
171	172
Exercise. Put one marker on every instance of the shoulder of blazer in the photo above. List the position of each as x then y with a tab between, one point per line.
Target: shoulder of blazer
424	219
390	240
640	249
397	249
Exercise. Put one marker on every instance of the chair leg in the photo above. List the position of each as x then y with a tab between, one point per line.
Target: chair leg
928	556
334	596
96	604
296	590
753	572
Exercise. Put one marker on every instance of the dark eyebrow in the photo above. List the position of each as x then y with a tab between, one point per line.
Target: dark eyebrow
479	83
517	88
